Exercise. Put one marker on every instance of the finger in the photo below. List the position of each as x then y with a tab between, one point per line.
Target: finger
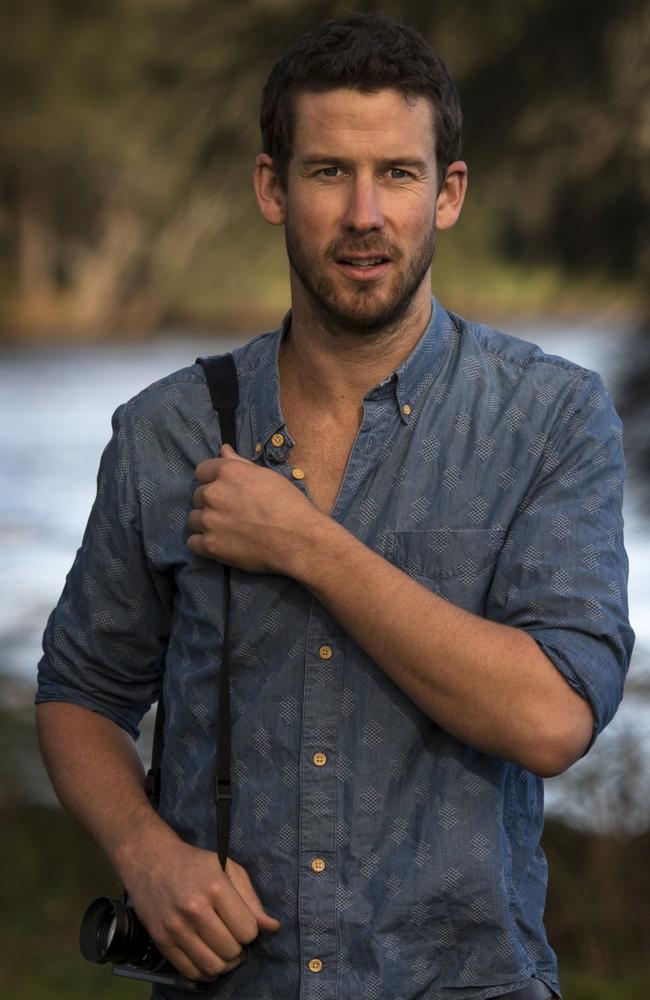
203	965
231	908
198	497
195	522
199	934
242	883
205	938
196	544
207	472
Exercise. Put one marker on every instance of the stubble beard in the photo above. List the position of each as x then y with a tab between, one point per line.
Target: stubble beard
364	310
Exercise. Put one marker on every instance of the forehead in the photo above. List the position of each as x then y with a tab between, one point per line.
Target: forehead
347	119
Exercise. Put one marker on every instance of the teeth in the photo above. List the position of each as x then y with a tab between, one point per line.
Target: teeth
365	263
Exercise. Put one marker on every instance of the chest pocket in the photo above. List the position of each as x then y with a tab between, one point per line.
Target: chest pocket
456	564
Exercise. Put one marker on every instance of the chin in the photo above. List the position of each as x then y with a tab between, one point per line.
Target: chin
366	312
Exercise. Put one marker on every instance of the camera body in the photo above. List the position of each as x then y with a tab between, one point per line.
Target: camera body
111	932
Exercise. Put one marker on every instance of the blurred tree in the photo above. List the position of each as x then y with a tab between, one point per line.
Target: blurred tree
130	128
112	174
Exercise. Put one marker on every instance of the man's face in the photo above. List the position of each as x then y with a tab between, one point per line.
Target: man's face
360	206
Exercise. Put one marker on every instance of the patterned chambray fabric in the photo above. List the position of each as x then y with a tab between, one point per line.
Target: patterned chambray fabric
401	862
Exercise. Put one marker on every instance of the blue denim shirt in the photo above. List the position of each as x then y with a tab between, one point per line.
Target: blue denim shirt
491	473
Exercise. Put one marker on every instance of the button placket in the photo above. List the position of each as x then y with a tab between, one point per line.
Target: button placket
318	790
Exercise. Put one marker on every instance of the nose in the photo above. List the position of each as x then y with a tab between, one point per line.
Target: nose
363	211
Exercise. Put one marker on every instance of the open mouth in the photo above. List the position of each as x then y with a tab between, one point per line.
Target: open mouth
362	261
364	268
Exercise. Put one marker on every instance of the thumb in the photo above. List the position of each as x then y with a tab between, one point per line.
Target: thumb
242	883
227	451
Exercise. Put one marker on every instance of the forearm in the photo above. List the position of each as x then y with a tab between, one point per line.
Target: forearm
98	777
198	915
488	684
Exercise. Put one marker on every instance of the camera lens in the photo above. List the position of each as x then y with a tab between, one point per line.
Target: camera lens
111	932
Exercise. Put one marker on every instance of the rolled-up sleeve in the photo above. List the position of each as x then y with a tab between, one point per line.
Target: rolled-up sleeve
562	575
105	640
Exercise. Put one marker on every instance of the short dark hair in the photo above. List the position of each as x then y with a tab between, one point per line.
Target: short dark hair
368	52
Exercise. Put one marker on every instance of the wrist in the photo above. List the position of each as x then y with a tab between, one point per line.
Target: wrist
145	836
318	547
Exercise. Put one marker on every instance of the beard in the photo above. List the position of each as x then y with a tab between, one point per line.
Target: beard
363	307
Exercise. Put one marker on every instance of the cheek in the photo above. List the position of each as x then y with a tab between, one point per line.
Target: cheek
412	212
420	212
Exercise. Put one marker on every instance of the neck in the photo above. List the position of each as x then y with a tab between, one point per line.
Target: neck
337	367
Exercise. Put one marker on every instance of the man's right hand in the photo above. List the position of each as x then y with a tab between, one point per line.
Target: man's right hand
199	916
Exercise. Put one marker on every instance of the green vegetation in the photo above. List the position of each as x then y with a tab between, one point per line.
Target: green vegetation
52	872
127	144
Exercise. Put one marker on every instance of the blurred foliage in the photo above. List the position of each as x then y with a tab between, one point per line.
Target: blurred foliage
127	143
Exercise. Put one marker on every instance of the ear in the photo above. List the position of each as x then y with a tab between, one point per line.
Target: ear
451	195
270	194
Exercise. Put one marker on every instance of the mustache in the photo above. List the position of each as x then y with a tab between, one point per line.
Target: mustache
372	247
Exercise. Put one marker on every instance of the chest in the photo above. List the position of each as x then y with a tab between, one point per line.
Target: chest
319	457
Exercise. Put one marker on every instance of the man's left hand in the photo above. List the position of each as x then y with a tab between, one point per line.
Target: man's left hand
248	517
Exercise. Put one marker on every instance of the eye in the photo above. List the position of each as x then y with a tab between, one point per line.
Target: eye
329	171
397	174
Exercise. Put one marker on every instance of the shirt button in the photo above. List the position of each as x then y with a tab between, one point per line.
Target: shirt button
406	409
318	865
319	759
277	440
297	474
315	965
258	447
326	652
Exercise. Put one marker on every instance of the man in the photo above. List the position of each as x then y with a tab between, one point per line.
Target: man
428	588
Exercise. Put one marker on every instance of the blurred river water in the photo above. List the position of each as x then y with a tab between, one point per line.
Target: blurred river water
55	409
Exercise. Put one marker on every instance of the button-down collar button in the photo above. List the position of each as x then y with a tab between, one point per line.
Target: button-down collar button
297	474
319	759
277	440
326	652
258	447
318	865
315	965
406	409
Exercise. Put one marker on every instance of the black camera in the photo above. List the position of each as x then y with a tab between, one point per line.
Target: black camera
111	932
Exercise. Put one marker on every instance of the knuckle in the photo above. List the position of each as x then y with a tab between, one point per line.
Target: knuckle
212	970
231	954
220	965
171	929
192	906
249	931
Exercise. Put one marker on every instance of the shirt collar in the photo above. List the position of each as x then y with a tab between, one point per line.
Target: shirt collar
406	384
264	410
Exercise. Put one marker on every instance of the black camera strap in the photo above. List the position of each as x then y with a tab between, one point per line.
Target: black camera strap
221	377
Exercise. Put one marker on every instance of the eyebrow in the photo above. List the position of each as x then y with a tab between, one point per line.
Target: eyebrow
314	160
